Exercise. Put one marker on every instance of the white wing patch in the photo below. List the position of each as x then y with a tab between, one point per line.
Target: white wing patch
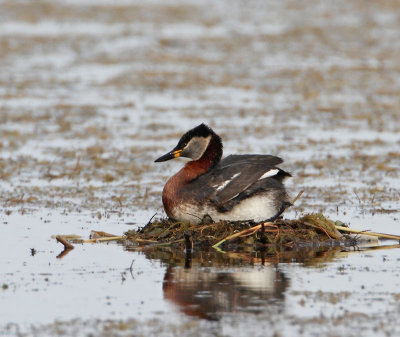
226	182
269	173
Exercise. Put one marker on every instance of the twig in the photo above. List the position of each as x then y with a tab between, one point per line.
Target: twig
152	243
167	243
243	232
293	202
66	244
210	225
188	242
100	234
113	238
148	223
68	236
263	238
145	240
298	197
384	247
379	235
318	227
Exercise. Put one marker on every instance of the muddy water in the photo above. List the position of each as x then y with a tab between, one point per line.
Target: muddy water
91	92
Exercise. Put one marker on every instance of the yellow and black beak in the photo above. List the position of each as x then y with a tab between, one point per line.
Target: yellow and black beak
168	156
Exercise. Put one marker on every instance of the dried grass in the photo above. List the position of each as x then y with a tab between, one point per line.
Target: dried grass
312	228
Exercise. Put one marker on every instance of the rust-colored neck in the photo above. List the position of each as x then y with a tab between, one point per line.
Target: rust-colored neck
189	172
212	155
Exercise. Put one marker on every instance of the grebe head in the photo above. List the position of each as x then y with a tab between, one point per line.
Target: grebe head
193	144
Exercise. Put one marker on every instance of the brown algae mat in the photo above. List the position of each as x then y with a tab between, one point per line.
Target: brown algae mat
309	229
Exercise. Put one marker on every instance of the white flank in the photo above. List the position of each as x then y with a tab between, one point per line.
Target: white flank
269	173
257	208
226	182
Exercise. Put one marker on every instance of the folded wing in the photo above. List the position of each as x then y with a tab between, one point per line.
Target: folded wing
243	175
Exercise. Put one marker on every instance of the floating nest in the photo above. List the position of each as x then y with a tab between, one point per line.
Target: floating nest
309	229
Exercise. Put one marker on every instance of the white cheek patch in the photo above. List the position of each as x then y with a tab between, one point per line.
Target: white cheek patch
197	146
226	182
269	173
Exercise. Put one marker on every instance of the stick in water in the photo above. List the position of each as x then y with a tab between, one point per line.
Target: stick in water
379	235
66	244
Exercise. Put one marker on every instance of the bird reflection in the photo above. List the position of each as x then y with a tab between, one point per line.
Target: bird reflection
206	291
209	284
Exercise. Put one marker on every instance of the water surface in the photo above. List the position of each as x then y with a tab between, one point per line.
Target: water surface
91	92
